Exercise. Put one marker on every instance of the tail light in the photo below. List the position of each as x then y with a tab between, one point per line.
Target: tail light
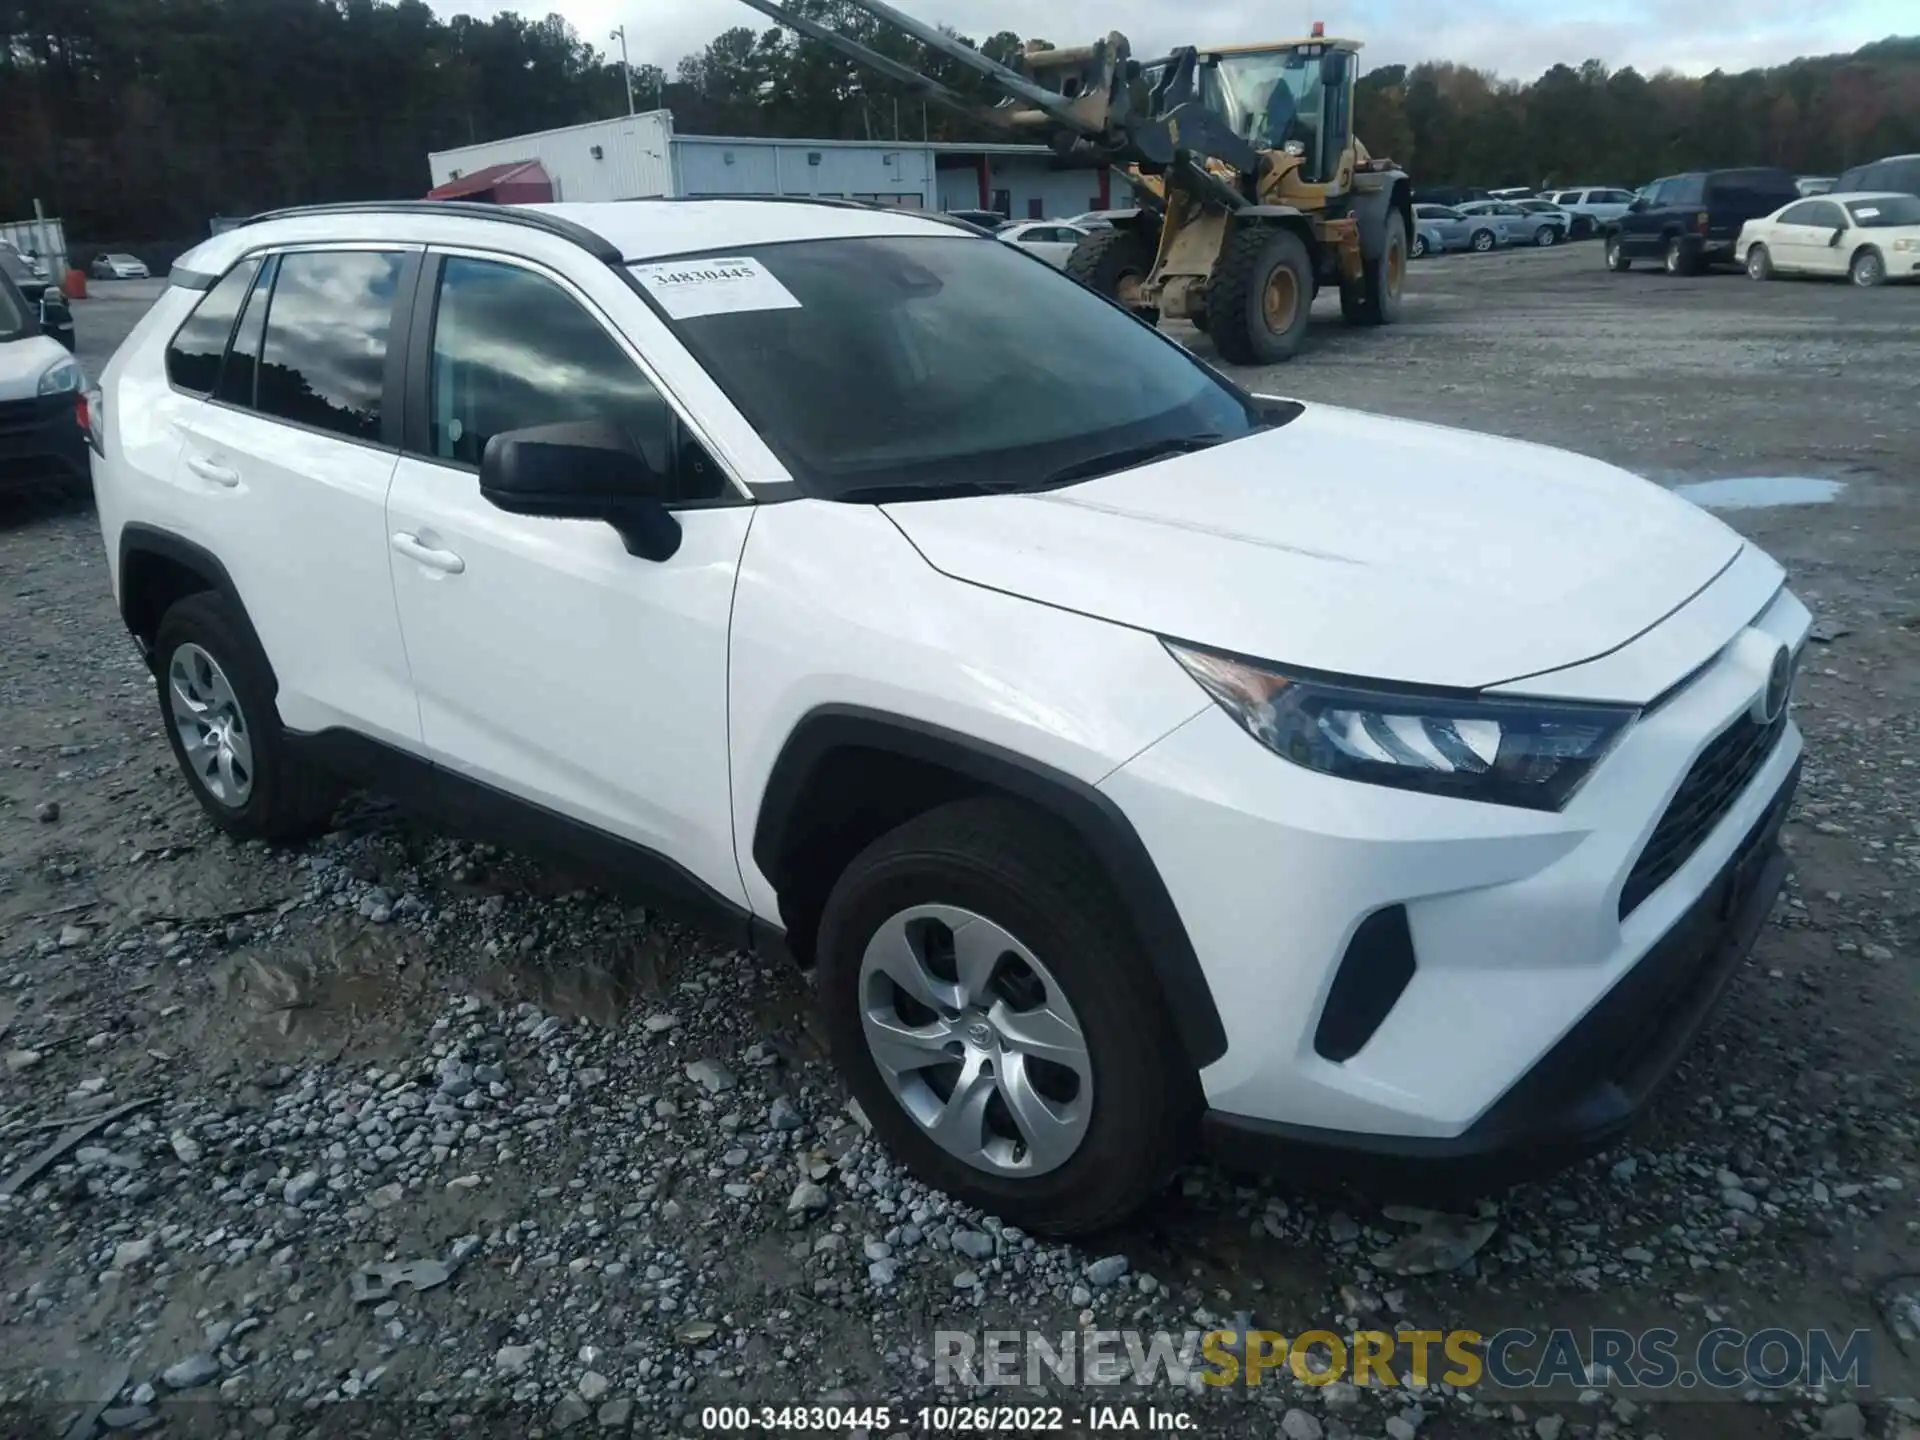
1700	222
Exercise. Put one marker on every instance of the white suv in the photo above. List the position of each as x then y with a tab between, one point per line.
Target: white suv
1131	756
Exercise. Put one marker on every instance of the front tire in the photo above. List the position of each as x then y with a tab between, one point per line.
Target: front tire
1546	235
1868	269
1759	263
1482	241
217	705
1115	263
999	1023
1419	246
1376	299
1260	296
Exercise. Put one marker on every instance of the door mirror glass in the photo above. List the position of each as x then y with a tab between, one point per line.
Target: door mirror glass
581	470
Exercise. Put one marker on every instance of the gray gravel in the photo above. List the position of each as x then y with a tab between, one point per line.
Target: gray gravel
638	1182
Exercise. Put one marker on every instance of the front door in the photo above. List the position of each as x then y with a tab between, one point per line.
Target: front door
552	666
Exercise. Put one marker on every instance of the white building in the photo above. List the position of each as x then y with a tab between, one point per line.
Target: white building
637	157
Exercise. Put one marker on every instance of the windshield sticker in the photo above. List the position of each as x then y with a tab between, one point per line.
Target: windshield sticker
687	289
1865	212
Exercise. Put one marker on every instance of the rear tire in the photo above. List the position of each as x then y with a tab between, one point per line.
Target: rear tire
1545	236
1615	256
1681	259
1030	882
1759	263
1260	296
217	705
1419	248
1376	299
1114	263
1482	241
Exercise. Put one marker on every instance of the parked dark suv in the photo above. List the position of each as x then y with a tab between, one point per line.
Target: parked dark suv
1896	172
1688	222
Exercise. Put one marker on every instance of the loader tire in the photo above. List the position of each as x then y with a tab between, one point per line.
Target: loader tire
1374	299
1114	263
1260	296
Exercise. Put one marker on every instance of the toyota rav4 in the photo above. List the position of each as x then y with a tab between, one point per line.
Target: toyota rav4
1131	757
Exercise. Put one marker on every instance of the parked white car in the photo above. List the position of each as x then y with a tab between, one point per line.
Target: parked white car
1598	205
1867	238
1051	240
1130	764
42	438
118	266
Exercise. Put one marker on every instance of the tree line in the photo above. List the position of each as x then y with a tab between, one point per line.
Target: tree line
132	118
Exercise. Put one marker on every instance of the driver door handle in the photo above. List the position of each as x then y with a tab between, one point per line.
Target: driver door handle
443	560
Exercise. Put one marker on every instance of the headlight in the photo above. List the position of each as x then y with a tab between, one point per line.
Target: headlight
63	377
1906	244
1530	753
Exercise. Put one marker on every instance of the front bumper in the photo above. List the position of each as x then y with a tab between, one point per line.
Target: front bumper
1593	1083
1482	937
41	440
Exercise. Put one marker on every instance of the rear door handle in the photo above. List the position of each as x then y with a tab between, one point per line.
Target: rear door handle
211	470
442	560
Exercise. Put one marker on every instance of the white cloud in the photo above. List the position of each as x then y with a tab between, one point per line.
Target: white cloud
1504	35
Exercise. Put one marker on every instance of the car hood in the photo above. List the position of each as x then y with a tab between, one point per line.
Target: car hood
23	362
1350	543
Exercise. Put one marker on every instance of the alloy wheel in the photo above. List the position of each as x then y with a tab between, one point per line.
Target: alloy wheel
975	1039
213	729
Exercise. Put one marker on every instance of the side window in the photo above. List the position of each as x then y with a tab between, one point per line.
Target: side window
324	358
1801	214
1827	216
1660	192
1688	190
512	349
193	357
243	357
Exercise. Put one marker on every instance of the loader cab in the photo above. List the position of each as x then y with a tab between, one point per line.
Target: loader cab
1296	97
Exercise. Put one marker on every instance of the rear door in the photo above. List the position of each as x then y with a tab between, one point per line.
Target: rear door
285	467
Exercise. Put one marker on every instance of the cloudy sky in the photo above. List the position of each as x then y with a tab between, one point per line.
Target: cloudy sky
1509	36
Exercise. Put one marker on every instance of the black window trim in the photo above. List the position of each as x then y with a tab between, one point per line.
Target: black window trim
185	320
394	379
417	385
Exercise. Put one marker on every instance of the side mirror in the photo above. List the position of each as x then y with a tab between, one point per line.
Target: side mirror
1838	236
582	470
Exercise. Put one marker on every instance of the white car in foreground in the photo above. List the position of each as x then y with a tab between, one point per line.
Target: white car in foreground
1051	240
1869	238
1133	757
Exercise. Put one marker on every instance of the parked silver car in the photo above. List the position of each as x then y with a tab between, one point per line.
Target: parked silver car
1553	224
1450	229
1516	226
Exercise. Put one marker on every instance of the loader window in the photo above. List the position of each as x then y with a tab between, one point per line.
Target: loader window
930	364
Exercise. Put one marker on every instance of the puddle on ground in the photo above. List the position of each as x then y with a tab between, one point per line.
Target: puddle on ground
1759	492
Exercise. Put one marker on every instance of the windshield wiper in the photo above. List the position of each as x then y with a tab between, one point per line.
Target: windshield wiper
1129	456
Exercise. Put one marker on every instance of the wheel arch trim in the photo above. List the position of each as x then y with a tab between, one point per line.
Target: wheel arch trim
1090	814
137	539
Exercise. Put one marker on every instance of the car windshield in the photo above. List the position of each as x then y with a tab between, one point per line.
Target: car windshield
902	365
1885	210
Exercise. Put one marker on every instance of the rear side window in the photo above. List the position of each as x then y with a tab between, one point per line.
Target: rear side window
324	359
1901	175
1805	213
1687	190
243	357
193	357
1765	189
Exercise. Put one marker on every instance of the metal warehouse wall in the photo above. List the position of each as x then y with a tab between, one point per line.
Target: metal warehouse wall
1059	193
714	165
634	161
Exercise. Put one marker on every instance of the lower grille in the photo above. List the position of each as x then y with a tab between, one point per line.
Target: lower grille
18	416
1716	780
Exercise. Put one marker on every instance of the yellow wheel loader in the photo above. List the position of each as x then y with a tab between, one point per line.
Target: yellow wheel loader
1251	190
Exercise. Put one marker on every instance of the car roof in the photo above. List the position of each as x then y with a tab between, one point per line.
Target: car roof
1863	195
613	231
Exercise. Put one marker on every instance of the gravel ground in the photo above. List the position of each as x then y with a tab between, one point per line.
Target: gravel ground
627	1178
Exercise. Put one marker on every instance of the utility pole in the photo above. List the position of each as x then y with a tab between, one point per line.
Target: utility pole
626	70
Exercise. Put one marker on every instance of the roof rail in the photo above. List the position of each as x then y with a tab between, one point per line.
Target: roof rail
595	245
836	202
